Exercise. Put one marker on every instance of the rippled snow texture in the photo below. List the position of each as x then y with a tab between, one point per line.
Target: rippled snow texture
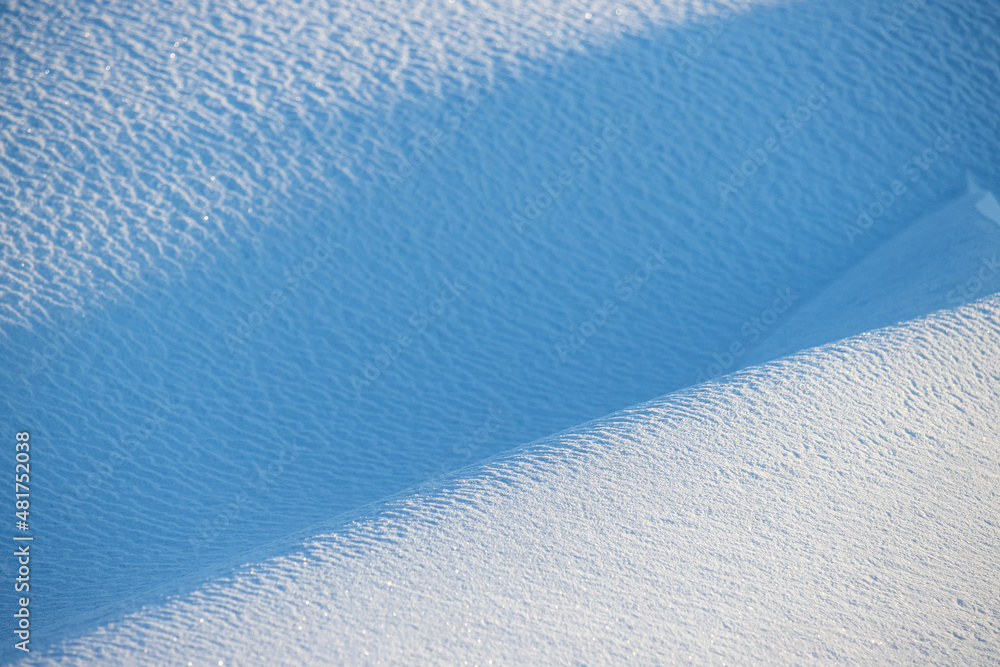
219	224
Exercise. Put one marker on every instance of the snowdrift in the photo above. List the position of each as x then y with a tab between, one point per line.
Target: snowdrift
265	265
840	504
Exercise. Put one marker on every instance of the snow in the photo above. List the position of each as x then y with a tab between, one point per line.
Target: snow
840	504
270	270
947	257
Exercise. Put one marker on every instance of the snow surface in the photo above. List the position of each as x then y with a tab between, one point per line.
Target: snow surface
268	263
940	261
839	505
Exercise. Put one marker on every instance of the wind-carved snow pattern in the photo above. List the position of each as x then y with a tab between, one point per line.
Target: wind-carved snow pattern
268	263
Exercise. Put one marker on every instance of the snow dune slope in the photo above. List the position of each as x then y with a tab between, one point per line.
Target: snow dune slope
942	260
840	504
168	166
